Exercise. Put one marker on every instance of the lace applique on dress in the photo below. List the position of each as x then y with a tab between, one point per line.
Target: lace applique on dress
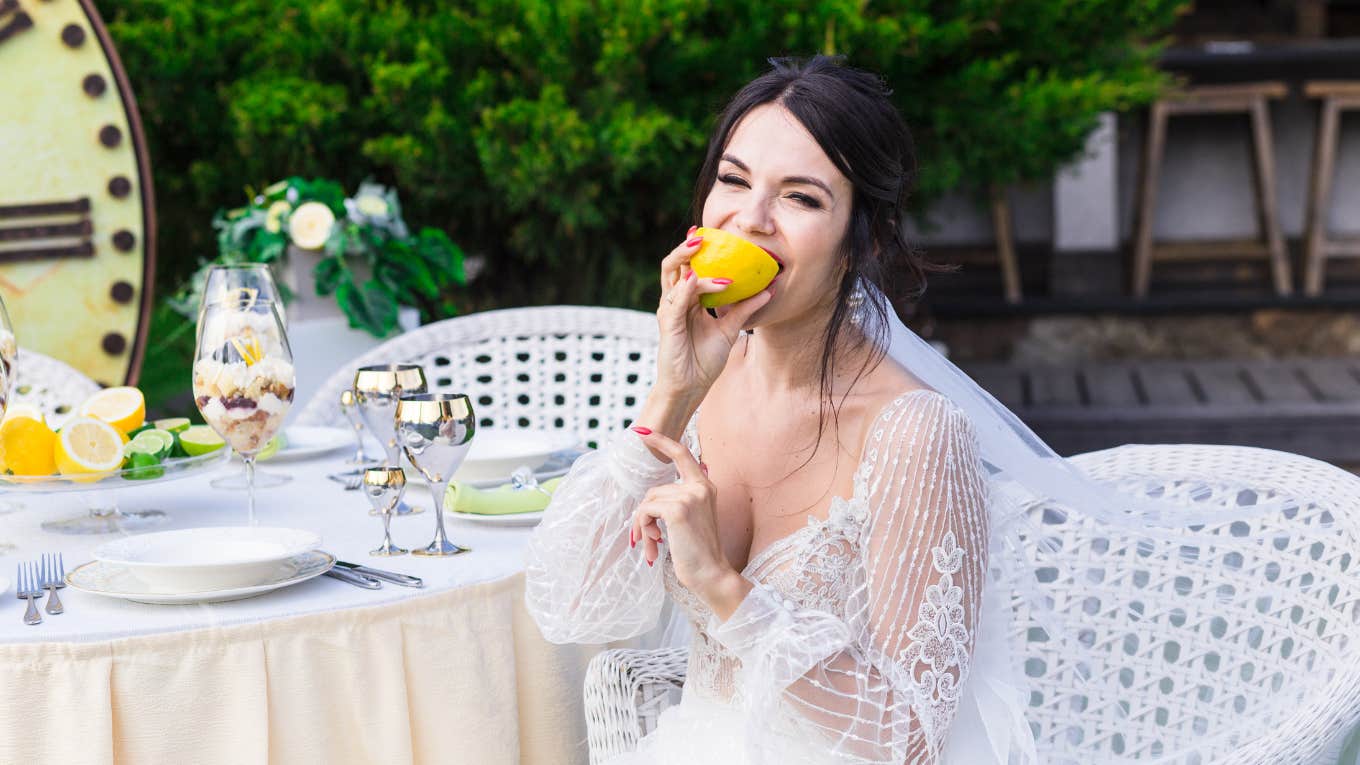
937	655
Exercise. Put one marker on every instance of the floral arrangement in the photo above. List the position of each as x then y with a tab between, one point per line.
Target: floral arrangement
367	257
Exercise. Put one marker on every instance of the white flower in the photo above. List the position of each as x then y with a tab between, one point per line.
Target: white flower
371	205
310	225
273	219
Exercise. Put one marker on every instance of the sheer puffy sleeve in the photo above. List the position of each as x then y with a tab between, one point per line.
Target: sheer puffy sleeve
583	584
880	682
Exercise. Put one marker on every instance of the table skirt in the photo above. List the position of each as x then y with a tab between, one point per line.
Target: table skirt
460	676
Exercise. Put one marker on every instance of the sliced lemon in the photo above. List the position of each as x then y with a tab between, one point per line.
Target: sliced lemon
724	255
88	445
26	446
124	408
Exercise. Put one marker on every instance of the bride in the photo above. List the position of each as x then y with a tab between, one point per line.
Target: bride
819	512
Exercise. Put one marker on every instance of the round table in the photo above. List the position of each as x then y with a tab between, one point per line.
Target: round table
322	671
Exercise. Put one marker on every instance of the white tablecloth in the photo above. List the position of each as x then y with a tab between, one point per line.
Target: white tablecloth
318	672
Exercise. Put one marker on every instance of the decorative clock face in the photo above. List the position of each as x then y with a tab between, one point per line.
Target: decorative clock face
76	228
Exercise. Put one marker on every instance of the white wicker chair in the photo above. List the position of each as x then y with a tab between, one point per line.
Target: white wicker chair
52	386
581	369
1180	658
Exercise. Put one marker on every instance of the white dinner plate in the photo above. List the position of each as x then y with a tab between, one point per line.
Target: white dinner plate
210	558
495	454
303	442
510	519
116	581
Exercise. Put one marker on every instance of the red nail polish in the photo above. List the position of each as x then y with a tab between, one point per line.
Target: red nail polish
649	564
631	542
691	231
689	275
722	281
641	431
704	467
694	241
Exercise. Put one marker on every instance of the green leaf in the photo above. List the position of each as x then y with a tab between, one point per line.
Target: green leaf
328	273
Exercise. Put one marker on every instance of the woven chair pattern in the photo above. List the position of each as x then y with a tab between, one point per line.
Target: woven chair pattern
52	386
625	692
1238	645
581	369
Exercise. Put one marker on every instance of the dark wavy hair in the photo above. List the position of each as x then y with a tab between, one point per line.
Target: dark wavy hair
849	114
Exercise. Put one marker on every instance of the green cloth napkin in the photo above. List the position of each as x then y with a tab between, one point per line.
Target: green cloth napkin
502	500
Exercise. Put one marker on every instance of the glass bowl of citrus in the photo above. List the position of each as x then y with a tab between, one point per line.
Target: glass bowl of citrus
105	443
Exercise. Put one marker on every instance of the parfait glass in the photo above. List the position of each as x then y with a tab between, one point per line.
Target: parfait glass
246	283
377	389
435	430
243	377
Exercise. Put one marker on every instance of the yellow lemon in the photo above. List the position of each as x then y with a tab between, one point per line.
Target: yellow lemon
88	445
123	408
26	446
724	255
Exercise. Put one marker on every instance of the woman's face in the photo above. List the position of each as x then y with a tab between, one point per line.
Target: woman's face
777	188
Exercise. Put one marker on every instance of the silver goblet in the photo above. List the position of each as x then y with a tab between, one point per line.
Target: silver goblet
383	487
436	431
376	391
350	407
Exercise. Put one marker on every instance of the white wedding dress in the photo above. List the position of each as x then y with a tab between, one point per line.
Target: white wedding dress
870	635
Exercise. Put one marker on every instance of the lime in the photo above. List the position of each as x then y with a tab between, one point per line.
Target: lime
144	428
157	443
142	466
200	439
172	424
272	447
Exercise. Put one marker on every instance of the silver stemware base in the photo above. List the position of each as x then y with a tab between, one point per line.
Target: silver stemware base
440	548
388	549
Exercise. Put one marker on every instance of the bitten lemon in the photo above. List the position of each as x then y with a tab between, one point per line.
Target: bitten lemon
124	408
26	446
724	255
88	445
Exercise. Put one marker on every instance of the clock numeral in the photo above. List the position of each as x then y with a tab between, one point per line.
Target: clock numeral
37	237
12	19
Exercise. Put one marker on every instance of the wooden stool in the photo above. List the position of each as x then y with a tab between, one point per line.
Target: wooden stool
1248	99
1336	97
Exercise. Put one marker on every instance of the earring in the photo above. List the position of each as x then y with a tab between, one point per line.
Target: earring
856	303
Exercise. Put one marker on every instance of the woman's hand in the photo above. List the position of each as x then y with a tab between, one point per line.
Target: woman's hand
689	509
694	346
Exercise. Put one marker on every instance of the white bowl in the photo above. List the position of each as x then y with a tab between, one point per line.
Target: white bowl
207	558
495	454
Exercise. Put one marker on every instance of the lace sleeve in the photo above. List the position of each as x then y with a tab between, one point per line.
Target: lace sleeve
582	582
881	682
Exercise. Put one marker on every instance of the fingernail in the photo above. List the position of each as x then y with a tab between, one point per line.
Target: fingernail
649	564
694	241
691	231
631	542
722	281
704	467
641	431
689	275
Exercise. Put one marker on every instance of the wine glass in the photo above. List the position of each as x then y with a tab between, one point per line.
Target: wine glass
435	430
383	487
349	405
245	283
376	391
243	377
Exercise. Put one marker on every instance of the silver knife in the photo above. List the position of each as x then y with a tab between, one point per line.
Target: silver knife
355	578
405	580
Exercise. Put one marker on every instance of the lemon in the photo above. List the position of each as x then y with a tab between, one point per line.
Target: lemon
88	445
123	408
21	409
724	255
26	446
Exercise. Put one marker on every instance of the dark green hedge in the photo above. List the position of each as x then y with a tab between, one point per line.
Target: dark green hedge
560	138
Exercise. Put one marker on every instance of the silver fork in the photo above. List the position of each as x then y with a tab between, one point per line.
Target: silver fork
27	588
53	579
350	482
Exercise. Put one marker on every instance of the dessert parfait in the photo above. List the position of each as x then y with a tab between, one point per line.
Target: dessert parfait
244	389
